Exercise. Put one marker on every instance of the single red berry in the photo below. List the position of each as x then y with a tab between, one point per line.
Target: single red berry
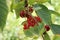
26	26
31	21
30	9
38	19
29	18
33	24
22	13
47	27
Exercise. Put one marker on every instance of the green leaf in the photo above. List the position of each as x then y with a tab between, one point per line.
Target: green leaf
12	6
49	1
31	1
17	5
18	8
28	33
43	12
41	28
13	3
38	29
3	13
34	30
55	13
46	37
56	37
55	28
42	31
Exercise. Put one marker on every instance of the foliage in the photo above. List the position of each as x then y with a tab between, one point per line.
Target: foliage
12	22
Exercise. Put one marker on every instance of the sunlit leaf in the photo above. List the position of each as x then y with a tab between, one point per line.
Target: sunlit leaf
18	8
13	3
28	33
17	5
56	37
43	12
31	1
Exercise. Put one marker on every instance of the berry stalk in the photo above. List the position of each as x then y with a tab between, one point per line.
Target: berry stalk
26	3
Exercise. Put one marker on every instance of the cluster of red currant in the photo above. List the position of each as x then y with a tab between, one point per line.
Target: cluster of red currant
26	13
31	21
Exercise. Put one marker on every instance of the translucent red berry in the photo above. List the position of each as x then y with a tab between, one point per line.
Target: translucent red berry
26	26
29	18
31	21
30	9
38	19
47	27
22	13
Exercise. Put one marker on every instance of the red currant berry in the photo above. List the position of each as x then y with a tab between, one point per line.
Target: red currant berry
22	13
47	27
29	18
38	19
31	21
26	26
30	9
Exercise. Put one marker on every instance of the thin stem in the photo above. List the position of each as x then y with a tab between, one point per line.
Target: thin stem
43	35
26	3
